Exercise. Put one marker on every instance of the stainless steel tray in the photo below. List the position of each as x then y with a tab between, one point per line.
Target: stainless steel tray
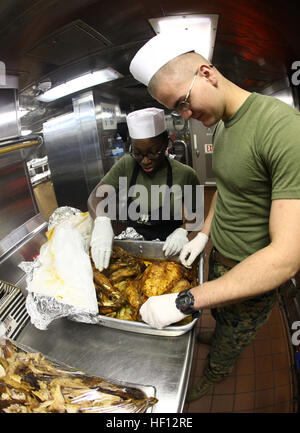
148	390
149	250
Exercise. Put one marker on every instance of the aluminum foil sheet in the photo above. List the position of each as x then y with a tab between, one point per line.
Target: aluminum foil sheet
129	233
44	309
61	214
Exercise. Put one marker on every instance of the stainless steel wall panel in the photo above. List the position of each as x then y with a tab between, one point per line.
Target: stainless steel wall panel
64	159
30	247
22	244
17	203
74	158
92	165
20	234
9	122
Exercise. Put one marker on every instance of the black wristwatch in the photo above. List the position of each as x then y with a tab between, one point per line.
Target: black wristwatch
185	302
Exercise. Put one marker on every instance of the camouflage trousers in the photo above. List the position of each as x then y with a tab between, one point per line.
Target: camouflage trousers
236	327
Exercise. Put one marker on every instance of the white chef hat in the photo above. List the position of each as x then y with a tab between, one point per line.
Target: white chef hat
146	123
160	50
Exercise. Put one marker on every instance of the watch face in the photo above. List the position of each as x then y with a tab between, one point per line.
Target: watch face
185	302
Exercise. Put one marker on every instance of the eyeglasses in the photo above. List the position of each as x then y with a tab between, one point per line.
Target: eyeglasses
150	155
185	105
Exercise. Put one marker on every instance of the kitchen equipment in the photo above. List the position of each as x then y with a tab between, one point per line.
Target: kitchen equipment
13	314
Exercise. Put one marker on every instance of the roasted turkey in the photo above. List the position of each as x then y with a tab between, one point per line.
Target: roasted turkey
160	277
129	281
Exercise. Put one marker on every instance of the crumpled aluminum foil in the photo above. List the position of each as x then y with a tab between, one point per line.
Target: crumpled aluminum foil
44	309
61	214
129	233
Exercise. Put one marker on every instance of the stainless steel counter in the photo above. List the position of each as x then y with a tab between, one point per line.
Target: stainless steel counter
160	361
163	362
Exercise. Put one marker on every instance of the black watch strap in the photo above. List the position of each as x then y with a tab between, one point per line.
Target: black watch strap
185	302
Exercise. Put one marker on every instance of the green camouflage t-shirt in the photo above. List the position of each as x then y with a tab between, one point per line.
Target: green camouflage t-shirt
256	160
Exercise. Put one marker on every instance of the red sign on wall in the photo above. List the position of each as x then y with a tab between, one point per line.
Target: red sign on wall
208	148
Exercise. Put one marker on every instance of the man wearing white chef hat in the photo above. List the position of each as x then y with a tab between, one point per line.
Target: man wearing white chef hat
254	216
146	166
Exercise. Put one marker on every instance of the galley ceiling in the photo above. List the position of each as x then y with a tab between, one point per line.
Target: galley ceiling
256	41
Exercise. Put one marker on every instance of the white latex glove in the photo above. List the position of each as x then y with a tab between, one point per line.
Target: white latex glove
193	249
161	311
175	241
101	242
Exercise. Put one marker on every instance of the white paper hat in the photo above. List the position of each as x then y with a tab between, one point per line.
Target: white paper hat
146	123
160	50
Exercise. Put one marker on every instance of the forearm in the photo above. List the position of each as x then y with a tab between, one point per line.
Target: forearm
93	202
190	234
207	223
186	223
208	220
261	272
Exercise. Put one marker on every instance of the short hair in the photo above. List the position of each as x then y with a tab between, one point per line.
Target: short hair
179	68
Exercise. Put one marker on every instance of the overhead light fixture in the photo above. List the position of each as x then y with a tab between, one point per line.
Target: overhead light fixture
79	83
43	86
202	29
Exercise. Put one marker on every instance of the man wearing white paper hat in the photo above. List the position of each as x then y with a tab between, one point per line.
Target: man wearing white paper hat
254	216
148	165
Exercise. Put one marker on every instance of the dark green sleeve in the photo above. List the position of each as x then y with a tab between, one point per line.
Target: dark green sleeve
194	181
190	178
118	170
280	148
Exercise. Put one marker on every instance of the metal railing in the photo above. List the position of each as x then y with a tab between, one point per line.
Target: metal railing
19	143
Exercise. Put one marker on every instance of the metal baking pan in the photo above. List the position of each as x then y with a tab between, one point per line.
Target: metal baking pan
149	250
148	390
